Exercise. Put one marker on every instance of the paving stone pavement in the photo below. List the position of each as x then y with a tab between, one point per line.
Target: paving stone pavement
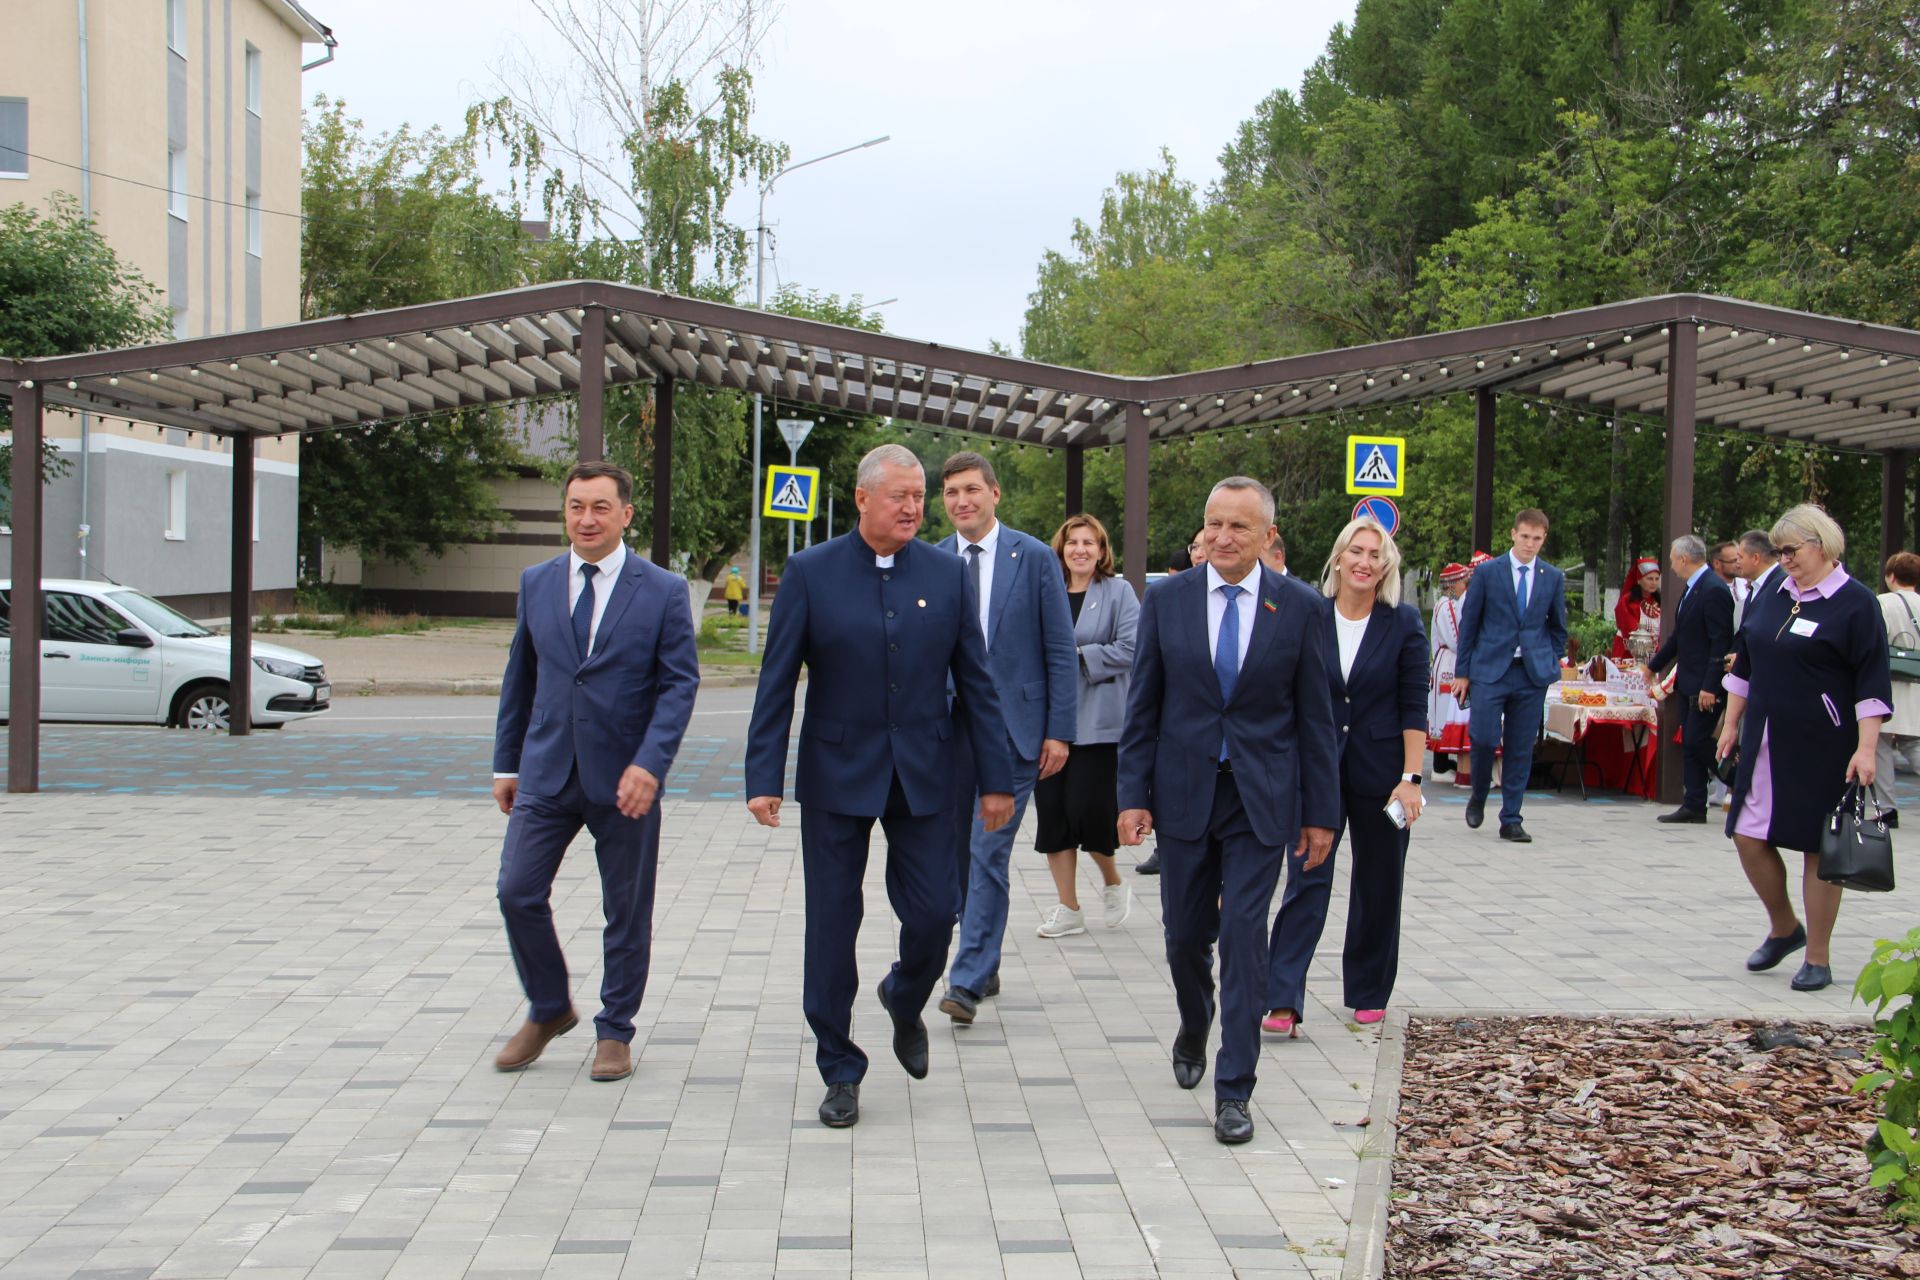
254	1034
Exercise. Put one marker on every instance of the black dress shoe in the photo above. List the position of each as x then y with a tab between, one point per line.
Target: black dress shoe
909	1040
1231	1123
993	986
1515	832
1812	977
840	1109
1149	865
1774	950
959	1004
1189	1059
1476	813
1683	815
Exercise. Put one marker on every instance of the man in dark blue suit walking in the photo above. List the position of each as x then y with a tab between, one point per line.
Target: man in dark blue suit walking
598	688
1513	632
1229	751
1702	632
881	622
1028	627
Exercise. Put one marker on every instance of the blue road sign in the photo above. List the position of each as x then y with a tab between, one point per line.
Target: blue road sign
1381	509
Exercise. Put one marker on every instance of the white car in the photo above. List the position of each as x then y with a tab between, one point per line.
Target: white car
110	653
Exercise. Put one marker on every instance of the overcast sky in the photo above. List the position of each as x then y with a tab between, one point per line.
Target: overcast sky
1008	118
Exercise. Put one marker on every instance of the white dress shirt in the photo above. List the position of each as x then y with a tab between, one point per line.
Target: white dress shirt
988	546
1245	602
609	567
1349	632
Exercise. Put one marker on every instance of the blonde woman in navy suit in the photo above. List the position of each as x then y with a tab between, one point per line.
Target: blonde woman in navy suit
1377	670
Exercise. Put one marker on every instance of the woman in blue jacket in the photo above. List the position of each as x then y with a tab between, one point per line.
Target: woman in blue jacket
1380	700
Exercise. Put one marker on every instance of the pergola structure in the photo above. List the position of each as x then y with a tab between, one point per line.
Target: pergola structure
1692	359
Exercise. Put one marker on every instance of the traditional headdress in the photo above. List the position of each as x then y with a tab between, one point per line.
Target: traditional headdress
1479	558
1645	565
1455	573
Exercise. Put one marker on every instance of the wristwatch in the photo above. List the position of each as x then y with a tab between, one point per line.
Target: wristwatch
1414	778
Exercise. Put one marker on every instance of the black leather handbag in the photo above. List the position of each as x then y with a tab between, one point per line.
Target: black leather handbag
1855	850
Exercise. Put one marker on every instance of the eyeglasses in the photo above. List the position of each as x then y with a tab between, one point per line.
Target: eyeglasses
1788	551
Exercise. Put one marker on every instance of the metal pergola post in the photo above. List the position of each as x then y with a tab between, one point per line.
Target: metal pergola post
27	606
1894	464
593	385
663	472
240	597
1483	420
1133	539
1683	364
1076	479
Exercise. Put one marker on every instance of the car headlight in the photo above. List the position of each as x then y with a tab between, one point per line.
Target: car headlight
279	667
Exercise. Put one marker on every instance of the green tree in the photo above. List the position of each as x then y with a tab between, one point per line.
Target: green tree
394	220
64	290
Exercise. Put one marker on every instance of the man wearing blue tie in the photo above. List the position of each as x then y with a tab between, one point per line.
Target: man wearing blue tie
598	689
1028	627
1513	632
881	622
1230	752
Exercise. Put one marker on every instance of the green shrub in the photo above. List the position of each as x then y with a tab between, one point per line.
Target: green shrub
1893	977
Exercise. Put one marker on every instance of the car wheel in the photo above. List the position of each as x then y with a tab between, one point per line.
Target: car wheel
204	706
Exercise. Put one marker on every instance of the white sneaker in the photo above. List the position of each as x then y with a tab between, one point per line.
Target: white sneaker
1119	902
1062	921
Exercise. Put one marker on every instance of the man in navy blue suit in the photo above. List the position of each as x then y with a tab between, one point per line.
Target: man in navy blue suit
1029	632
1513	632
599	685
881	623
1702	633
1230	752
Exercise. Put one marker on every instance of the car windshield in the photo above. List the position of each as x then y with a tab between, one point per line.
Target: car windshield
157	615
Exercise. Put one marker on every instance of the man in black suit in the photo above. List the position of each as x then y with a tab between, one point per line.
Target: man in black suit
1702	634
879	621
1229	751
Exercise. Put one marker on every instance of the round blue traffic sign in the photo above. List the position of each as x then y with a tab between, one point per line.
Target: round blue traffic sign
1381	509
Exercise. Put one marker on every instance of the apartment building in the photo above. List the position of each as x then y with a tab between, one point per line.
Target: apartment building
177	124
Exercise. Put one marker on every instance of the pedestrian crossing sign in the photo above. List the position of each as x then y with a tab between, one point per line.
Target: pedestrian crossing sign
1377	464
792	492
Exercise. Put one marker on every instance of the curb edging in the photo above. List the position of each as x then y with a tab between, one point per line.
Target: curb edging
1366	1256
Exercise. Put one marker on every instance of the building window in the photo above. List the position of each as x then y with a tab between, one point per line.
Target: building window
177	26
177	182
253	80
176	506
253	223
13	137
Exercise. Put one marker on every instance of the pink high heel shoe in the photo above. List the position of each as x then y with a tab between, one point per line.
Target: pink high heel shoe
1282	1022
1367	1017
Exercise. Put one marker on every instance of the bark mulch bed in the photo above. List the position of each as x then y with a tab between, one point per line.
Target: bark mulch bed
1671	1150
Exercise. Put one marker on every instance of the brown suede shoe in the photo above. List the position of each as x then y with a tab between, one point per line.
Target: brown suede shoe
612	1060
531	1038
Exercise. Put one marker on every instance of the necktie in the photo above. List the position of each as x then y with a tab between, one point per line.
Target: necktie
1226	650
1526	576
974	552
583	610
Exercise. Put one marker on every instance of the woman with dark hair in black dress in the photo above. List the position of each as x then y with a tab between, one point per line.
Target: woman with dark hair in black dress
1809	688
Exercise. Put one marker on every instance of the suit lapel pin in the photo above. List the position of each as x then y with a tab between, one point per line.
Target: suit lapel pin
922	604
1013	555
1271	607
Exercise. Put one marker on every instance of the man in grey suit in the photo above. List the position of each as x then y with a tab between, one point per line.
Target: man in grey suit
1023	614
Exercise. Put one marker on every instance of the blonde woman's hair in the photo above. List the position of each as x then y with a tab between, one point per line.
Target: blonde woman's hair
1808	523
1389	589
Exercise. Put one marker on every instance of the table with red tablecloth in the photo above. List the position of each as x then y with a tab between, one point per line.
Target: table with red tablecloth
1615	746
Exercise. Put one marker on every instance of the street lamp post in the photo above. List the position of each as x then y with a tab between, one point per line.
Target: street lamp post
759	302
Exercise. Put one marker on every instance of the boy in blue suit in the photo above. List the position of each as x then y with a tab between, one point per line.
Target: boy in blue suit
881	622
598	689
1513	632
1028	627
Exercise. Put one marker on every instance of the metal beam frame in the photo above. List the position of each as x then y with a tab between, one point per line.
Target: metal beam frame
26	606
1134	521
1894	464
1682	378
663	472
1483	436
240	603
